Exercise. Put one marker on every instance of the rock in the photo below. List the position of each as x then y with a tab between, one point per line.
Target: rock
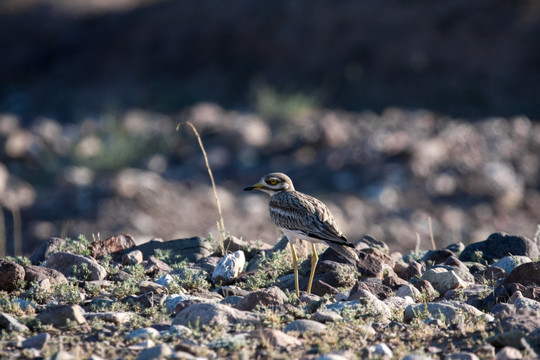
411	271
393	281
36	342
155	266
491	275
511	338
63	355
275	338
208	264
250	248
142	334
443	279
232	290
509	353
114	246
151	287
12	275
417	357
59	316
524	274
331	357
368	241
509	263
229	267
367	305
305	326
409	290
462	356
383	351
268	298
324	316
35	273
157	352
46	249
499	245
9	323
426	289
374	286
526	303
192	249
180	330
132	257
398	304
78	266
212	314
436	256
146	300
372	263
444	310
116	317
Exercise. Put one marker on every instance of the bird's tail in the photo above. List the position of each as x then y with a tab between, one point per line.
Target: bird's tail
347	252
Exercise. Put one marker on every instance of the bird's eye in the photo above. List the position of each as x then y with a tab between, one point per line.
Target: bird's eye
272	181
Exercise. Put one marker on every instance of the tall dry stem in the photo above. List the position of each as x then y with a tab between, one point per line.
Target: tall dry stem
220	224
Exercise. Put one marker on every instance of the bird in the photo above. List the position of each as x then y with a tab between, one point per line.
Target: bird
304	217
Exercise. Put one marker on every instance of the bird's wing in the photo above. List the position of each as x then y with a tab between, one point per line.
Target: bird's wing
306	215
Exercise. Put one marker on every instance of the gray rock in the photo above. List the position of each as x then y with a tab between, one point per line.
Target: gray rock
272	296
229	267
46	249
157	352
303	326
324	316
417	357
151	287
447	311
212	314
59	316
275	338
499	245
116	317
383	351
180	330
409	290
369	304
232	300
192	249
509	353
36	342
443	279
511	338
63	355
462	356
398	304
509	263
132	258
78	266
35	273
526	303
250	248
142	334
9	323
331	357
12	275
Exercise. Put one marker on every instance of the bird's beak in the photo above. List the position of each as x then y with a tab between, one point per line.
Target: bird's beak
256	186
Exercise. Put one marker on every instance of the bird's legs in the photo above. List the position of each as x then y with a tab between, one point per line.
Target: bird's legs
314	260
295	266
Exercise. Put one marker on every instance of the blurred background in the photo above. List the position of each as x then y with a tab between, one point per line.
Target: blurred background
393	113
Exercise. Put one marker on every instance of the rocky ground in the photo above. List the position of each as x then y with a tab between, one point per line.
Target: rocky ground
182	299
384	174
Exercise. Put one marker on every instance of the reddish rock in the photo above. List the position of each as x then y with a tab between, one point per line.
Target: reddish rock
35	273
394	282
371	262
374	286
524	274
115	245
436	256
270	297
12	274
154	266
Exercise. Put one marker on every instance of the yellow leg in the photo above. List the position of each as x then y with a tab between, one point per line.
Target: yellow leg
295	266
314	260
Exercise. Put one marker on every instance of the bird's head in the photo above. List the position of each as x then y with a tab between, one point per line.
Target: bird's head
273	183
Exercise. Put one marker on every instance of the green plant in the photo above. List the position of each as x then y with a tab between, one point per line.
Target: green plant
79	246
21	260
270	269
275	105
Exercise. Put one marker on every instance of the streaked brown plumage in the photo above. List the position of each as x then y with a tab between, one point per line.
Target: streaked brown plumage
304	217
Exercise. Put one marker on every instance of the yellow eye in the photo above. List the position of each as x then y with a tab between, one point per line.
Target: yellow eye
272	181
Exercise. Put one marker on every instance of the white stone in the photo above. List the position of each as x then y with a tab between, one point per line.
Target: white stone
509	263
229	267
143	333
409	290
